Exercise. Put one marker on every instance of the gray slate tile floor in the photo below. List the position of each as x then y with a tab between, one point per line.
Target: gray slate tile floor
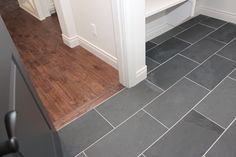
185	108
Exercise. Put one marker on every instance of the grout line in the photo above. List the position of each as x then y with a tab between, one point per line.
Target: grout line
81	154
225	58
184	115
91	109
154	85
231	78
104	118
153	60
131	115
209	119
155	119
217	40
169	59
190	46
206	25
197	84
164	93
189	59
184	29
219	137
187	112
152	48
183	40
152	42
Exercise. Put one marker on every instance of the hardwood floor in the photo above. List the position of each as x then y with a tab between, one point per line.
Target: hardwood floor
69	81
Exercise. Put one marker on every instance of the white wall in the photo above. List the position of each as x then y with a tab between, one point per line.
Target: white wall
99	13
222	9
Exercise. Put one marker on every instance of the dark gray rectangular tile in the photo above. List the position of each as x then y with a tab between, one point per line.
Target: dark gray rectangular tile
167	50
193	21
170	72
225	33
229	51
220	105
176	102
225	147
189	138
195	33
166	36
83	132
203	49
151	64
130	139
210	73
213	22
150	45
126	103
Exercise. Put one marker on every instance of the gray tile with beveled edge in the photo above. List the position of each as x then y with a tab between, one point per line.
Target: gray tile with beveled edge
225	147
150	45
151	64
170	72
211	72
83	132
129	139
213	22
126	103
176	102
166	36
225	33
195	33
81	155
203	49
167	50
229	51
220	105
191	137
193	21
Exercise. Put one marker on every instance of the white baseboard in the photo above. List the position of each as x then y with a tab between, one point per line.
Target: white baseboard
141	74
216	13
156	30
71	41
100	53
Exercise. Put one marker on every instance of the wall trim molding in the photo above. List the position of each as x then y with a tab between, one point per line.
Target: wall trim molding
141	74
71	41
100	53
217	13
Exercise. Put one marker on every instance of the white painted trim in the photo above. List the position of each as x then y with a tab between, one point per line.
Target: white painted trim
129	28
100	53
156	30
71	41
216	13
34	15
141	74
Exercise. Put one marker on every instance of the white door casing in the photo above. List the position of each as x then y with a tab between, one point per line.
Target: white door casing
38	8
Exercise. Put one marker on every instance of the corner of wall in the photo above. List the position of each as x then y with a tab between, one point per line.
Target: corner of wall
71	41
